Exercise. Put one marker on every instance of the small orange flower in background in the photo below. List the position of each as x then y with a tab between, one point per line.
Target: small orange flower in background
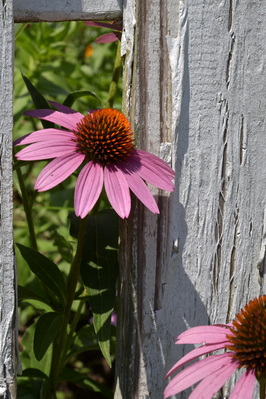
88	50
244	342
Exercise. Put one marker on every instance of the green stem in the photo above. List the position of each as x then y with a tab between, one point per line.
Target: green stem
115	77
70	338
72	280
20	29
27	209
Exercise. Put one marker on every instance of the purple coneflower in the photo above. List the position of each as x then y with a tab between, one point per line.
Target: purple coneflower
108	37
244	342
102	140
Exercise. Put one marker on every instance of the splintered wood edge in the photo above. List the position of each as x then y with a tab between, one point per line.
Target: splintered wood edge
67	10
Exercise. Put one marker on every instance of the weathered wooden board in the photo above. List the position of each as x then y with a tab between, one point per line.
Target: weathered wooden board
194	78
8	337
204	257
66	10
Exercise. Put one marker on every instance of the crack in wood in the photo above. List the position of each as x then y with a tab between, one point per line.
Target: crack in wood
261	263
222	195
262	266
3	12
229	60
232	266
230	15
242	141
250	228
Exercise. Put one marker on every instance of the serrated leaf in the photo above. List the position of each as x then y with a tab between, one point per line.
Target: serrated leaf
47	328
99	271
72	97
46	271
38	100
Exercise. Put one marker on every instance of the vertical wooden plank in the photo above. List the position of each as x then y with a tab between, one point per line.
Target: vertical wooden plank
146	245
7	267
196	79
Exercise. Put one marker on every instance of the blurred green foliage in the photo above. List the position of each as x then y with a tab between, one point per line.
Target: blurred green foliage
59	59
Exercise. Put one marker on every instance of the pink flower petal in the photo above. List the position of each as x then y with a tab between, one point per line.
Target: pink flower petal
139	188
46	150
44	135
114	26
196	372
117	190
150	172
88	188
57	171
156	160
69	121
108	37
211	384
65	109
202	350
203	334
99	24
244	387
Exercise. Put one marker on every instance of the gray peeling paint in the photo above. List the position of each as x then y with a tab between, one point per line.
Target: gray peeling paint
204	257
67	10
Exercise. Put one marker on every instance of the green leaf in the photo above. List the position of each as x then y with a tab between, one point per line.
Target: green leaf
47	328
95	386
34	373
46	271
38	100
85	340
99	271
86	382
32	298
72	97
45	392
29	388
26	293
64	247
39	305
28	358
19	164
19	29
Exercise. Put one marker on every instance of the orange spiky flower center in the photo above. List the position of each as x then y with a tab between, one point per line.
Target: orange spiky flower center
105	136
248	339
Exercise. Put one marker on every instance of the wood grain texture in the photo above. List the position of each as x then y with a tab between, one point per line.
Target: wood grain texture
197	80
67	10
8	336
